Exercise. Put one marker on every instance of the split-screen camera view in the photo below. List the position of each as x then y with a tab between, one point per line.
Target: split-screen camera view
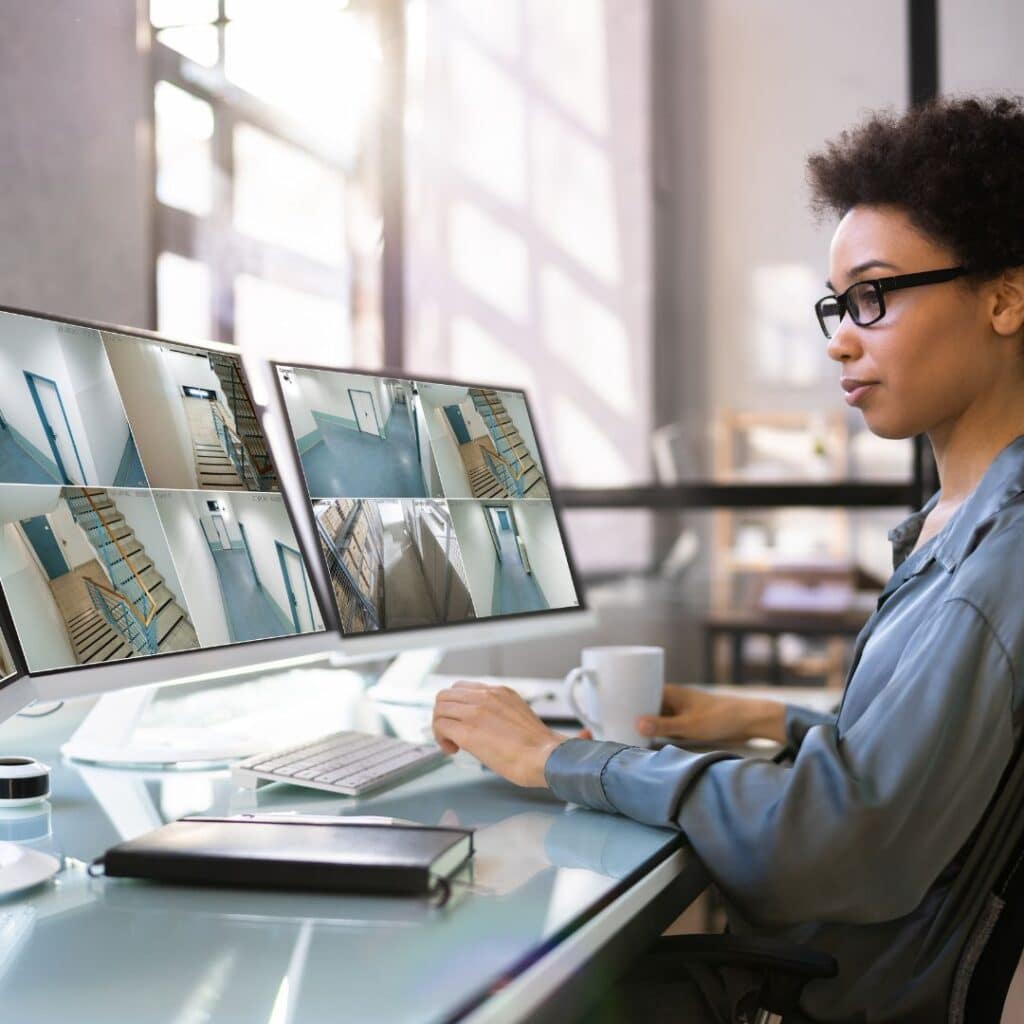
139	507
431	500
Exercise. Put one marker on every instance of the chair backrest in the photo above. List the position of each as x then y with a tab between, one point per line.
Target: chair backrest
1001	955
994	864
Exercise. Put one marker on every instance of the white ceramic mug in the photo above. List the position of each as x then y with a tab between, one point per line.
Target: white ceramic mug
618	685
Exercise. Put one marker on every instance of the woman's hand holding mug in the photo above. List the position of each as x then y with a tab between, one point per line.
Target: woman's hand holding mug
702	716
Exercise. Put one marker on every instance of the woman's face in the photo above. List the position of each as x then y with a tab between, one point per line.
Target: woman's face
931	355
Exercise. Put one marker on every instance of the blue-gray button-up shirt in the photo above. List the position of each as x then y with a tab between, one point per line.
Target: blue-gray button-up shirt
853	845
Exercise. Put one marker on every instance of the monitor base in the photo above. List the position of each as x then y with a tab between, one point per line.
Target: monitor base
214	725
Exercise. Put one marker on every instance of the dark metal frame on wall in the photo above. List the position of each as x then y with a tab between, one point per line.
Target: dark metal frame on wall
923	18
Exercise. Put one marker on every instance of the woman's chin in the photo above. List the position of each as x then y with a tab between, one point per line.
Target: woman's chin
889	427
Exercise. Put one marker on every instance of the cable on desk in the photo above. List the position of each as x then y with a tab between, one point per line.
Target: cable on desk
442	892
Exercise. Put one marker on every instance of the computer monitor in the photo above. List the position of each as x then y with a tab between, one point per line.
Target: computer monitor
432	508
155	524
143	533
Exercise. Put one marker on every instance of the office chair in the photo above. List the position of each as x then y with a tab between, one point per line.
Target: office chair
993	864
786	968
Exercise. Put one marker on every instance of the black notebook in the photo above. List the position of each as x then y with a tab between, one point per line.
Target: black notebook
294	852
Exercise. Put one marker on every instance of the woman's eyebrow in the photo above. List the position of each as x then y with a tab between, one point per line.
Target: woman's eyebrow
861	267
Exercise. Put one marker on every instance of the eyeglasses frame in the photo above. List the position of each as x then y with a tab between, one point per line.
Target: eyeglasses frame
882	285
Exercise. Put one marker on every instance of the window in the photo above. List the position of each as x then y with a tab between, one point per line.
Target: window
268	217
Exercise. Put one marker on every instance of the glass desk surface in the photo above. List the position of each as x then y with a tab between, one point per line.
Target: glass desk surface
98	951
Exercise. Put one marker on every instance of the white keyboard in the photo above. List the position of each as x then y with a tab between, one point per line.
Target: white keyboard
349	763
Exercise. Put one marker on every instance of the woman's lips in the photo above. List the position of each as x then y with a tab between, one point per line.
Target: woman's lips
856	390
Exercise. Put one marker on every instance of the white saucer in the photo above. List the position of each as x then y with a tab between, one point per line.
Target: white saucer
21	868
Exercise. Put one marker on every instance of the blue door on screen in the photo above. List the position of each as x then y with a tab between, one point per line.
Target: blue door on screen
503	519
46	546
56	426
454	414
297	586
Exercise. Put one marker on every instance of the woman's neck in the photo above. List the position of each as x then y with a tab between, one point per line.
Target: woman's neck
965	447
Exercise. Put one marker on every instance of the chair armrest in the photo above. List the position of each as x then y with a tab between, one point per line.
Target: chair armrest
785	968
754	952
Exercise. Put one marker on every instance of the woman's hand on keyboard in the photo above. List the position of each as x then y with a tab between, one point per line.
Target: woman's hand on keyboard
497	727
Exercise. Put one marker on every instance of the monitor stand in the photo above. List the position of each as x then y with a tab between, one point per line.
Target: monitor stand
220	724
403	680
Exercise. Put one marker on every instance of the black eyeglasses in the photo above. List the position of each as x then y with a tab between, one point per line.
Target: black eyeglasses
865	300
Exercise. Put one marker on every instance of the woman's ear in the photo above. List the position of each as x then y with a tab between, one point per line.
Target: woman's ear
1008	304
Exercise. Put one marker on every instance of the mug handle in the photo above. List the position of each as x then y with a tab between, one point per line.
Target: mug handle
572	680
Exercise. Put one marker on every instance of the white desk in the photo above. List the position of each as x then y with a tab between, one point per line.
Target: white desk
557	894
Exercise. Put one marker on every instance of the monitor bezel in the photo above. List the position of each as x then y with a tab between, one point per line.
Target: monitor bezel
13	643
380	635
317	642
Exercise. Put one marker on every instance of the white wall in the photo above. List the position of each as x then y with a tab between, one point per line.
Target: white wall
39	623
474	421
383	399
296	401
189	370
765	257
539	531
18	335
23	501
140	513
179	515
153	400
320	391
979	46
98	400
28	343
266	520
75	163
73	540
478	554
449	463
426	449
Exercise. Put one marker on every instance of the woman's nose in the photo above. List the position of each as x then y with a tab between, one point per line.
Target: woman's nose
844	343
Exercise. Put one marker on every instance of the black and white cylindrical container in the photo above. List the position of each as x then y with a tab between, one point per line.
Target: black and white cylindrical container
23	780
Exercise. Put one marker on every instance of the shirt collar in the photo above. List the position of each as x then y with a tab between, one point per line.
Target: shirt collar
1003	481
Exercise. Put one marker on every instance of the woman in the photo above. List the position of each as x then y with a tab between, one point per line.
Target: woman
853	847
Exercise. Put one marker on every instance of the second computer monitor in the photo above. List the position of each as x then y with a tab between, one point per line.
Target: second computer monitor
431	499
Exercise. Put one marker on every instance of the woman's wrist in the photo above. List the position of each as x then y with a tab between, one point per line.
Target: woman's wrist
537	775
765	719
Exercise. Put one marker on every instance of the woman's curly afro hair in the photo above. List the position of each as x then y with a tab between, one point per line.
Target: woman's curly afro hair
954	166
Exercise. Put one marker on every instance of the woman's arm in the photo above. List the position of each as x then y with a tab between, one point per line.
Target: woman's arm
858	827
855	829
496	725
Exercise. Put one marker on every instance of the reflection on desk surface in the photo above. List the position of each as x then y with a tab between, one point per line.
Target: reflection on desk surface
176	954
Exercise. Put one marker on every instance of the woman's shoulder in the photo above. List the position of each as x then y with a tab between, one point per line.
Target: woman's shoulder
990	572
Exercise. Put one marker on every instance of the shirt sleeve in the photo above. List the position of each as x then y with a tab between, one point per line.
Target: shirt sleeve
799	719
856	828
